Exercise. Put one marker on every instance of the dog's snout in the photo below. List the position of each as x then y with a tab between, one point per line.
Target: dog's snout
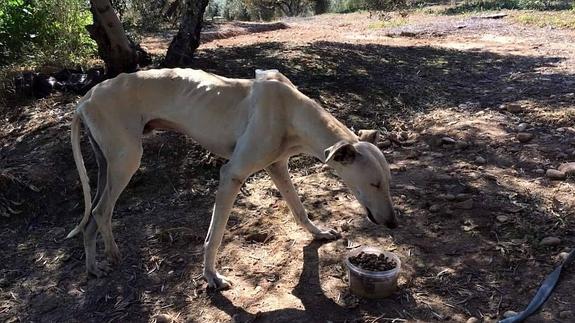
370	217
392	223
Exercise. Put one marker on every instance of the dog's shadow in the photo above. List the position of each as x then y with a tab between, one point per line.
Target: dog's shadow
317	306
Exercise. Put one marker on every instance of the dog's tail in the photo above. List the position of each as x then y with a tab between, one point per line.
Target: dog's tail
75	138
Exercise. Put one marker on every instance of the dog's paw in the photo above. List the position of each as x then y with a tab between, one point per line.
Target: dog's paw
100	269
327	235
217	281
113	256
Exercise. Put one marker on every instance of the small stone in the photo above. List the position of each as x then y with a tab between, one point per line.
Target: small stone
550	241
472	319
502	218
513	107
555	174
466	205
524	137
480	160
435	208
563	255
566	314
539	171
522	127
561	129
488	319
448	141
473	175
567	168
509	314
468	228
449	197
163	318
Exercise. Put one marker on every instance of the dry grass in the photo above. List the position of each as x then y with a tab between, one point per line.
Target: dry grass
556	19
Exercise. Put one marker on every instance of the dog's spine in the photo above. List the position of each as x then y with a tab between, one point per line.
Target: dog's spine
75	138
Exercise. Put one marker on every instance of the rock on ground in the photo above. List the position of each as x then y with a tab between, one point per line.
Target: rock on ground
524	137
550	241
555	174
567	168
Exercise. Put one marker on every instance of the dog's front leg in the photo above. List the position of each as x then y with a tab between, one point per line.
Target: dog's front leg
228	189
280	176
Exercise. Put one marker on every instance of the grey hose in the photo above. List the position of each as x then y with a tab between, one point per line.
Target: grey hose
542	294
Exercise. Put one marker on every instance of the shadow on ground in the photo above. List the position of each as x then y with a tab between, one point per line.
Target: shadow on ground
162	217
376	81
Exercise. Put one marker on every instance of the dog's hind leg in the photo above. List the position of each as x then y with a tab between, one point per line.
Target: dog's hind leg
279	174
122	163
91	228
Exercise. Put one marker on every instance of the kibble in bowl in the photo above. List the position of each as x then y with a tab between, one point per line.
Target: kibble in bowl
372	272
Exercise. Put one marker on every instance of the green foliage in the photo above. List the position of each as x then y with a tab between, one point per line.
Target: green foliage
235	10
212	10
145	15
321	6
385	5
44	32
269	9
485	5
344	6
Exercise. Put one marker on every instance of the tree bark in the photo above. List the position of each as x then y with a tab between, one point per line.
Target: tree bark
187	40
114	47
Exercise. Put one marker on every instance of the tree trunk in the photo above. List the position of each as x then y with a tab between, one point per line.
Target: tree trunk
114	47
187	40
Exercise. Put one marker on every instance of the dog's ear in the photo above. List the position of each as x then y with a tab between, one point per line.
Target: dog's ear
368	135
342	152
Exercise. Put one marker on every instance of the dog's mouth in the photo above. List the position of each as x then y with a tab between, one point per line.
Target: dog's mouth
370	216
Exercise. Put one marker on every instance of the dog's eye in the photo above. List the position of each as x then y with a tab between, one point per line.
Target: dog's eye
378	185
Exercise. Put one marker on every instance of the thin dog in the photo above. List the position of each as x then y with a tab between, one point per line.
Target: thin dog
254	123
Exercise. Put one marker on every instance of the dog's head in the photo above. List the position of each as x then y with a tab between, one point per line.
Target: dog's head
365	171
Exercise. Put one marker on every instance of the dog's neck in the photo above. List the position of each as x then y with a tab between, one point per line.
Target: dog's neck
321	130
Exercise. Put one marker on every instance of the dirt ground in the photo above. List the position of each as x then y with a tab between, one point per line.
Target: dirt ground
449	94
